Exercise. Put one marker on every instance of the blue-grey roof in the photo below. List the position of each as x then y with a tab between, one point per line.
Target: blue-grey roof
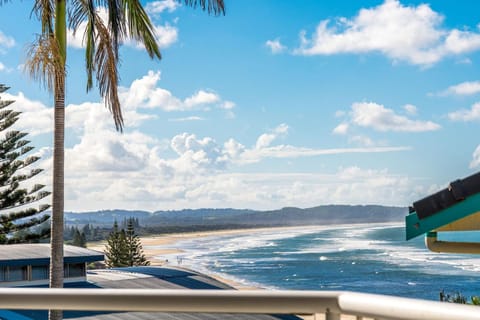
39	254
147	278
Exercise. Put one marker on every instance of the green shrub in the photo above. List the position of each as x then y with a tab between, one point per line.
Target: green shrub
457	297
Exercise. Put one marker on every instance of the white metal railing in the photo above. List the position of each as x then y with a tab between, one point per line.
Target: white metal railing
331	303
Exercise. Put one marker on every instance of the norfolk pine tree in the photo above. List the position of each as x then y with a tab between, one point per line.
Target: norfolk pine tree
17	219
124	248
116	250
136	257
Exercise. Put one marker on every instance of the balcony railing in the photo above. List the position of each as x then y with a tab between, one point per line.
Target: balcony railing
329	305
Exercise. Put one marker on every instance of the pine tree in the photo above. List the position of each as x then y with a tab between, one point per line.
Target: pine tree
124	248
116	250
136	257
87	230
18	222
79	239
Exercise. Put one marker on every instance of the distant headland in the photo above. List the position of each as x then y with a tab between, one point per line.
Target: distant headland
213	219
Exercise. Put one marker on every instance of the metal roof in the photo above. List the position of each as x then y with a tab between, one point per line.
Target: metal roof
39	254
151	278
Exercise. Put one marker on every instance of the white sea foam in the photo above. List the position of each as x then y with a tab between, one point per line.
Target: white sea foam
399	253
226	255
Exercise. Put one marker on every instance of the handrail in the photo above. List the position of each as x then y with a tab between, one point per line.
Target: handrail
333	303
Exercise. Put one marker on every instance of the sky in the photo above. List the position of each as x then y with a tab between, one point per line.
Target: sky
274	104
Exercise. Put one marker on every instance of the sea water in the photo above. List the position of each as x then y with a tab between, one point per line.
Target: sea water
373	258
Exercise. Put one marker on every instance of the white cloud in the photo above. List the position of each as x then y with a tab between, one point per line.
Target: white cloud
6	41
113	153
157	7
413	34
36	118
410	109
287	151
201	98
275	46
4	68
466	115
267	138
463	89
271	191
196	155
106	169
458	42
165	35
228	105
475	163
362	141
132	170
145	93
377	117
233	149
341	129
192	118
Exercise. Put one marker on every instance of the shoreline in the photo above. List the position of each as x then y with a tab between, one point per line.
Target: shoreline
162	249
159	248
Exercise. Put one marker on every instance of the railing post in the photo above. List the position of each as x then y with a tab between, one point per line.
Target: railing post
332	315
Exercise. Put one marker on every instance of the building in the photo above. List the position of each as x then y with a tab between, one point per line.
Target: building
455	208
28	264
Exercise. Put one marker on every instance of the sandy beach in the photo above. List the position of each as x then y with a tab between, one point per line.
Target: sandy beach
167	242
159	248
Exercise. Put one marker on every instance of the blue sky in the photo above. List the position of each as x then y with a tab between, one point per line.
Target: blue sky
277	103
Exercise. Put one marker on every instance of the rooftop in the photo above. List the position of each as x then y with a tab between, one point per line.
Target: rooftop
146	278
455	208
39	253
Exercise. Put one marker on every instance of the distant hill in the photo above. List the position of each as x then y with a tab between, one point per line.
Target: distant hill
289	216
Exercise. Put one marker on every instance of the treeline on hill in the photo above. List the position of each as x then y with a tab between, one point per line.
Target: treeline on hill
80	235
290	216
97	225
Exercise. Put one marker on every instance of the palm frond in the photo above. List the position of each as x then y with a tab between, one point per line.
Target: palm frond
44	10
212	6
105	63
44	61
116	22
81	11
140	27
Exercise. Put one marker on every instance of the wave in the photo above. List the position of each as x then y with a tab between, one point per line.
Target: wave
350	257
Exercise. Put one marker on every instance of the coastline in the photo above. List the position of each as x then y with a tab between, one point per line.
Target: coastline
159	248
166	250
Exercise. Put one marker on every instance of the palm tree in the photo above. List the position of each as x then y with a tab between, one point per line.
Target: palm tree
48	55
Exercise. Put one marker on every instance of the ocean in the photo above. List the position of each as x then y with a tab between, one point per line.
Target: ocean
373	258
